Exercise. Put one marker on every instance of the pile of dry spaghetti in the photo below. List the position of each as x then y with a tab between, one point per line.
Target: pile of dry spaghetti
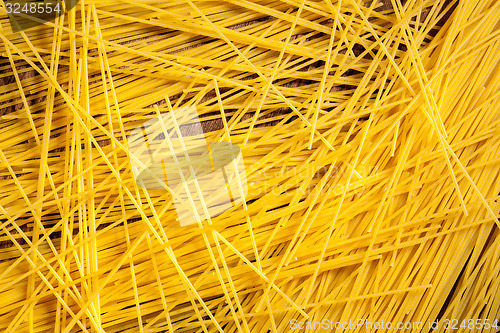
370	134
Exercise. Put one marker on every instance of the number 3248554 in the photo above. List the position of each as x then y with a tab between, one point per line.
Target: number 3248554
33	8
